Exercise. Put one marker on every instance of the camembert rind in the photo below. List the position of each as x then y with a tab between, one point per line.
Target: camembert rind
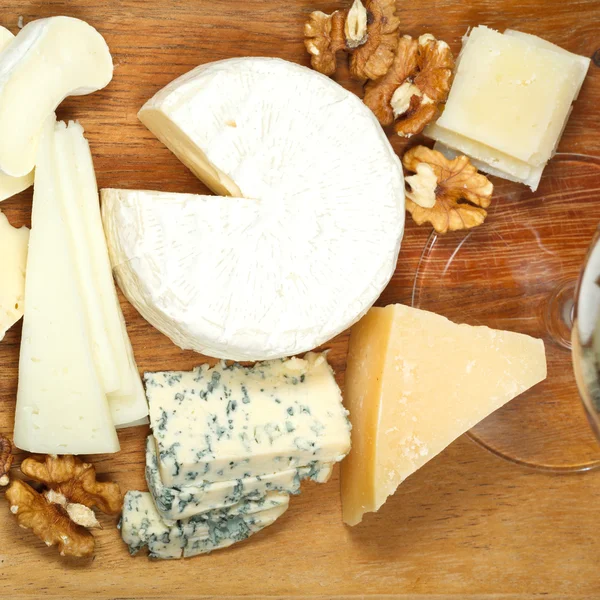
415	381
231	422
322	219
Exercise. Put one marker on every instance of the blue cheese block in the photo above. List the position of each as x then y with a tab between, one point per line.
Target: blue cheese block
176	503
233	422
141	525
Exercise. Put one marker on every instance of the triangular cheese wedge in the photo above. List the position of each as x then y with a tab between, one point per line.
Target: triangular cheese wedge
416	381
61	404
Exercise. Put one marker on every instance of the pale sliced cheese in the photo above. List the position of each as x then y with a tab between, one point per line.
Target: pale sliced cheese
9	186
415	381
580	64
13	259
61	405
307	251
81	211
511	95
49	60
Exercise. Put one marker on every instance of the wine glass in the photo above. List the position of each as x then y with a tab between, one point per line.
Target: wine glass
519	272
586	334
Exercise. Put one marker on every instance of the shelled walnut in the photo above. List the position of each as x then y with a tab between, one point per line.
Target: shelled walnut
48	521
368	32
61	513
449	194
6	459
417	83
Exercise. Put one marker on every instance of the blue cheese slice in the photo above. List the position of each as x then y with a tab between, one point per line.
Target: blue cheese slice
177	503
233	422
141	526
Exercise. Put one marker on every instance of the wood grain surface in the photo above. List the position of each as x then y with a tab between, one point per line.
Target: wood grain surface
468	525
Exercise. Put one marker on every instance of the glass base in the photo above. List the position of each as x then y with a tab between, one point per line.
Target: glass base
518	272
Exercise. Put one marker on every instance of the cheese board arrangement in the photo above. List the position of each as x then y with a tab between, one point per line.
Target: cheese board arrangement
200	347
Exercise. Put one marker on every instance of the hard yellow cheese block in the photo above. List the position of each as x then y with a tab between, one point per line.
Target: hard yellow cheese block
416	381
511	94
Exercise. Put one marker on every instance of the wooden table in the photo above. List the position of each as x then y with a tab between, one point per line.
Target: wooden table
468	525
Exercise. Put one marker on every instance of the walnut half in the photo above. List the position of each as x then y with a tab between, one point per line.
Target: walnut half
50	522
6	459
75	480
368	32
449	194
414	87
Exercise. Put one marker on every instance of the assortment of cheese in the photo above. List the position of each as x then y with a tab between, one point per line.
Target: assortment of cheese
301	239
229	445
509	104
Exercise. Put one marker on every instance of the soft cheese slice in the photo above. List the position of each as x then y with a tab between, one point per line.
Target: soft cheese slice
81	211
13	260
322	221
415	381
61	405
141	525
176	503
511	95
231	422
9	186
49	60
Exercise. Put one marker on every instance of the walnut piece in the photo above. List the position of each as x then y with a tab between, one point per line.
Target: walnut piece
49	522
372	59
412	90
368	32
6	459
75	480
449	194
324	38
78	513
379	93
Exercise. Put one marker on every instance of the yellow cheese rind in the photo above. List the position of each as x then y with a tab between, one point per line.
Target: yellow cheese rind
511	95
416	381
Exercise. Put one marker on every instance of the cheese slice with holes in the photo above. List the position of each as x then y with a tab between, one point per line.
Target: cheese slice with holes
61	403
13	259
112	349
9	186
415	381
307	243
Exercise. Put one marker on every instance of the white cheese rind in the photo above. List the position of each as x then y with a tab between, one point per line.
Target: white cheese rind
13	253
49	60
232	422
141	525
61	405
176	503
9	186
112	347
322	222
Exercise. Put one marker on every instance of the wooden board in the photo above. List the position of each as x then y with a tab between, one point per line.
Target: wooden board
468	525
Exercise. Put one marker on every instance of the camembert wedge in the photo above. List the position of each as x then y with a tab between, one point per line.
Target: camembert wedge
415	381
